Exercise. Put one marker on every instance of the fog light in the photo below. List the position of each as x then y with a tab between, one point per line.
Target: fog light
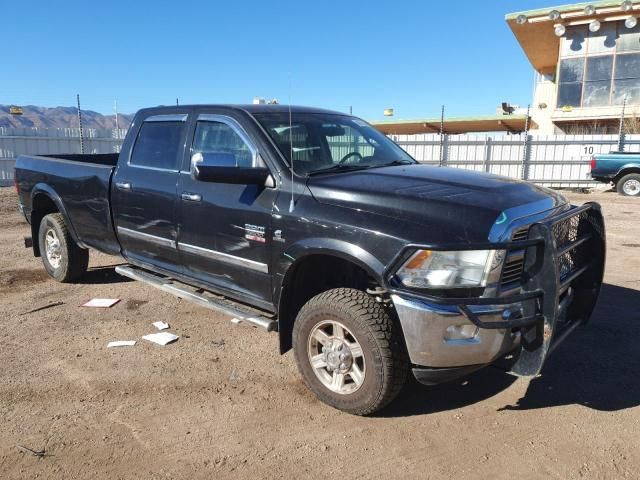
460	332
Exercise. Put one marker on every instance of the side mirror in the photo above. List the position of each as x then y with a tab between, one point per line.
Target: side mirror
223	168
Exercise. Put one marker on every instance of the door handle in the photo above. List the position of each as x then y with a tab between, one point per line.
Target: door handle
191	197
123	185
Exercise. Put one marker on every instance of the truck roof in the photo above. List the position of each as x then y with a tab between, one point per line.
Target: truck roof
250	108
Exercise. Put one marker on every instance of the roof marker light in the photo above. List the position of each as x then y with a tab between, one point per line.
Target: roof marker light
559	30
554	15
631	22
627	5
521	19
589	10
594	26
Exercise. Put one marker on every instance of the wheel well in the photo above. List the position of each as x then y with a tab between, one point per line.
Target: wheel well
42	205
624	172
309	277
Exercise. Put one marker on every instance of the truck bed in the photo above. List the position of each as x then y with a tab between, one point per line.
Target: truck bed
108	159
80	187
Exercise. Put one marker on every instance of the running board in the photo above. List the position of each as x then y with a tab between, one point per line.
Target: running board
198	296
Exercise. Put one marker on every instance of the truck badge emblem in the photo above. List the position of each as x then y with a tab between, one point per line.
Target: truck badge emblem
254	232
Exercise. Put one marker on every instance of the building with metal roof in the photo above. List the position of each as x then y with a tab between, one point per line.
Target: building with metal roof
587	62
489	123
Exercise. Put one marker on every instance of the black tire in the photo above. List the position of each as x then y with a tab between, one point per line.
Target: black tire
73	260
382	343
628	180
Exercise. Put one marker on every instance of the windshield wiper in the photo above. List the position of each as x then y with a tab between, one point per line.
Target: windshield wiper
397	162
339	168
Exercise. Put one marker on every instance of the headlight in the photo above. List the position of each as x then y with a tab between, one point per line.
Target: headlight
454	269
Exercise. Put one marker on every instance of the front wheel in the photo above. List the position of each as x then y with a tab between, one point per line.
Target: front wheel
63	259
629	185
349	351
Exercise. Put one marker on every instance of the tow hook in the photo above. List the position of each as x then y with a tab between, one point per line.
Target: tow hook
380	294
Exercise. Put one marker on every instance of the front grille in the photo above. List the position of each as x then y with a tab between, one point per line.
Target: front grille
514	263
572	236
567	233
512	271
520	234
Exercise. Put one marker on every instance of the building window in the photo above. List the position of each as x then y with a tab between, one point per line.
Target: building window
597	85
570	82
627	79
599	69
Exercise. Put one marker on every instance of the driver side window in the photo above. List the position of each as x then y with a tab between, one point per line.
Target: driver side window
218	137
351	144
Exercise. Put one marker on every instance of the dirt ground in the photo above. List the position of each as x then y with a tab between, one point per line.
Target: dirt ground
222	403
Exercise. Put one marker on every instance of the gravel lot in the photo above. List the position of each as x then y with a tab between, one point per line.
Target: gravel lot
221	402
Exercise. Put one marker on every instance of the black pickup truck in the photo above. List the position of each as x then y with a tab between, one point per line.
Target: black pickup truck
313	224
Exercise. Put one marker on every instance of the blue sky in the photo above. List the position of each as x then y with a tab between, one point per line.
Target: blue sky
412	56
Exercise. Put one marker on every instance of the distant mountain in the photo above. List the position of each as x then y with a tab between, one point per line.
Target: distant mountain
59	117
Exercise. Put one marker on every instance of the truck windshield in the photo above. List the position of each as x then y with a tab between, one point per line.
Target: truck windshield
322	142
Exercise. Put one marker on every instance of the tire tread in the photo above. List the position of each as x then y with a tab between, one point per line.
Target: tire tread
77	259
384	331
620	183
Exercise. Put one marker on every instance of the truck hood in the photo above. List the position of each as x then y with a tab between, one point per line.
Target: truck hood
468	203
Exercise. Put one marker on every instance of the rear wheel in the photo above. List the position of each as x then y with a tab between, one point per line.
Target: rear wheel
349	351
629	185
63	259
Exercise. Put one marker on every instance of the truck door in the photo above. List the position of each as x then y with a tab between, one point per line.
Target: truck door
225	234
144	192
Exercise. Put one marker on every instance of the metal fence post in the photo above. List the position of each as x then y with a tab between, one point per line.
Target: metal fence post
444	149
526	158
621	133
487	154
524	172
80	124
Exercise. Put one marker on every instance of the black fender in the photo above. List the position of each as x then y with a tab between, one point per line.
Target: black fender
48	191
334	247
296	253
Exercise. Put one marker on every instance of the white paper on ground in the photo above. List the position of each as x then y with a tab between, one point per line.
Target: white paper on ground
121	343
101	302
160	325
161	338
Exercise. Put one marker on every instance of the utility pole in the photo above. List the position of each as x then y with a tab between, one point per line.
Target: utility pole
177	104
350	109
80	123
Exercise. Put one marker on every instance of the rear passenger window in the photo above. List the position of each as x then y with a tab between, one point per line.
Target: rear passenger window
157	145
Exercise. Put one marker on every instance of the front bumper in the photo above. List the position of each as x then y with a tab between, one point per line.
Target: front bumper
427	326
563	270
